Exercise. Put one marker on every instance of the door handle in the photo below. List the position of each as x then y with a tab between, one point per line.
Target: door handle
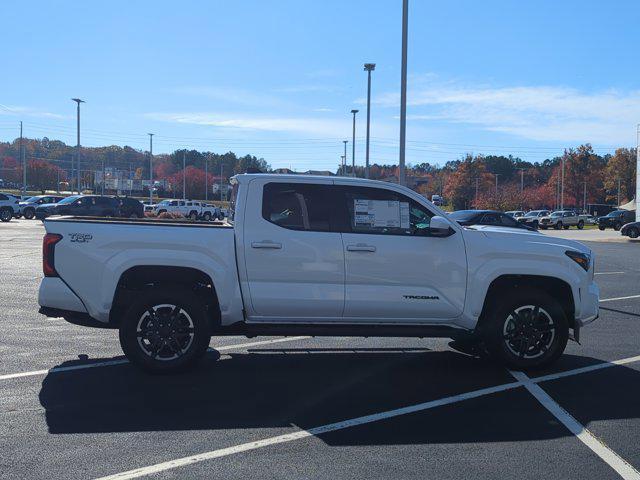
361	247
266	244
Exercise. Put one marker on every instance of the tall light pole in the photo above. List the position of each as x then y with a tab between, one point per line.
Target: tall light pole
150	168
497	175
638	173
24	164
369	67
342	165
618	191
521	179
562	187
403	92
344	171
78	102
206	177
184	177
353	145
477	181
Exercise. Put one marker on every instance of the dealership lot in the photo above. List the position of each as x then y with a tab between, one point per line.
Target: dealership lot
314	408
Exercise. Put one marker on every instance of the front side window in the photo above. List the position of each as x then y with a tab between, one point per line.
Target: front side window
384	212
507	221
297	206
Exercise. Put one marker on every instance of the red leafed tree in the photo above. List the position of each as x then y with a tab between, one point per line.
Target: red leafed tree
194	179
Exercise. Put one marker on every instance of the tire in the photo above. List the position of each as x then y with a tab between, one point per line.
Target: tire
580	225
6	214
558	226
181	339
29	213
537	346
617	226
535	225
601	227
633	232
193	215
206	217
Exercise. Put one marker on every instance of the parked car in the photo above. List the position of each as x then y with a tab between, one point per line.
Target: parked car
81	206
616	219
631	230
191	209
515	213
437	200
322	257
486	217
563	219
9	206
28	207
532	218
130	207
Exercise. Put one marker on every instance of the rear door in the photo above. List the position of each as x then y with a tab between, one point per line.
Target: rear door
294	263
395	271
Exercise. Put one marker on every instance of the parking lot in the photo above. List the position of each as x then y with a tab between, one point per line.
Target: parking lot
71	407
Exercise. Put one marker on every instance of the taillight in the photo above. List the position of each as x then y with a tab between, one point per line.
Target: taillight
48	249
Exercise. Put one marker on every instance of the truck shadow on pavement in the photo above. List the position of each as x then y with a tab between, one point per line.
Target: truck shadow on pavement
310	387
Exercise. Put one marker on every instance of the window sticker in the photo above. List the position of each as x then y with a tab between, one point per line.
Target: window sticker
381	213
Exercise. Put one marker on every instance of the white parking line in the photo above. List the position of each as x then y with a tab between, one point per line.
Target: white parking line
618	298
122	361
290	437
608	273
611	458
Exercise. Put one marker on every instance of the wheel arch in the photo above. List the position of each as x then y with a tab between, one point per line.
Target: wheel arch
144	277
555	287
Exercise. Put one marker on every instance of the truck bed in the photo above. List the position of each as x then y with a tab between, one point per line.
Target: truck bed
167	222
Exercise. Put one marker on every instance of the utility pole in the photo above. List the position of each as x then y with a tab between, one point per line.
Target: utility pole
221	180
78	102
344	172
584	196
403	92
562	187
206	178
557	207
150	168
103	176
130	181
369	67
476	200
342	165
497	175
638	173
353	145
184	177
521	179
24	164
618	192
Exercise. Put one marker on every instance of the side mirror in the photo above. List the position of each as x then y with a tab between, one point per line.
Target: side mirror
439	227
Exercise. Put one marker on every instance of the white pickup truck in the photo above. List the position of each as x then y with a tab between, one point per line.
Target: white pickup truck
305	255
188	208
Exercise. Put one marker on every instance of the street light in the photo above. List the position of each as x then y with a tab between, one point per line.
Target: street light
150	168
369	67
353	145
403	91
78	102
344	163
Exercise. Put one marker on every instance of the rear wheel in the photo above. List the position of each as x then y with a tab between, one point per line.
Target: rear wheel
206	216
6	214
617	226
530	330
193	215
601	227
29	213
558	226
633	232
165	330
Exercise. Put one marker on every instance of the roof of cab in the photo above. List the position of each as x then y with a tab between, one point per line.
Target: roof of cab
247	177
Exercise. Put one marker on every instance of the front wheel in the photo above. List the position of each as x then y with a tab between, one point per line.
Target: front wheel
6	214
165	330
528	331
580	225
29	213
558	226
617	226
633	232
193	216
601	227
206	216
535	225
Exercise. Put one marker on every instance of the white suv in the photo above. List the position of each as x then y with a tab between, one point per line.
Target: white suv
8	206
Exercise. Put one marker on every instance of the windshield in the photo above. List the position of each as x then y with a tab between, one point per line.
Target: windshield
535	213
556	214
68	200
614	214
464	215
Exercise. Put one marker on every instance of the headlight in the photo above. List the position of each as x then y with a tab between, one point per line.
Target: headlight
581	259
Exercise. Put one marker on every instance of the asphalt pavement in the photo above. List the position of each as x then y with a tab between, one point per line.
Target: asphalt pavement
72	408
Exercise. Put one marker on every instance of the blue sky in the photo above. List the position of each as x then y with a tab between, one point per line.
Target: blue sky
277	79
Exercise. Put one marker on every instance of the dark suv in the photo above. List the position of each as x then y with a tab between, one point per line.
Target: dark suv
28	207
81	206
616	219
130	207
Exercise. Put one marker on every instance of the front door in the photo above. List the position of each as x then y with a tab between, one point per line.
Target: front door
394	270
294	262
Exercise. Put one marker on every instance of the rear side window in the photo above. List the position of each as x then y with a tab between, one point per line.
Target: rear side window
297	206
385	212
